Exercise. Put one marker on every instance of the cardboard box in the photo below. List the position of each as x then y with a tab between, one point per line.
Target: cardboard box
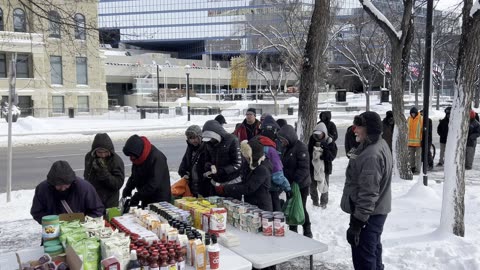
31	255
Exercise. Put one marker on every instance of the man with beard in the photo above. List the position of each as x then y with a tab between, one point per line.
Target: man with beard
64	192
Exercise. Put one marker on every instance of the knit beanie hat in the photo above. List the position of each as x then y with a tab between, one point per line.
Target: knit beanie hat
373	123
414	110
193	130
61	174
133	146
281	122
253	151
472	114
389	114
252	110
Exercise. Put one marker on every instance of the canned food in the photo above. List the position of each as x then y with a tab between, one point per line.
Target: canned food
267	225
279	225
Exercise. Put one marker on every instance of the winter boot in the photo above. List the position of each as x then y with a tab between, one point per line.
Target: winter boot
307	231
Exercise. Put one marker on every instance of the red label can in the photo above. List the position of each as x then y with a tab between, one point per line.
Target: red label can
267	225
279	225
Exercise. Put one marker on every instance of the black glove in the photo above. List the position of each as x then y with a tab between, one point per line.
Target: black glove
353	232
289	194
135	200
323	144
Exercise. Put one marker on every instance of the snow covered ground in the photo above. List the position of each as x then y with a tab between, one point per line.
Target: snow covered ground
410	237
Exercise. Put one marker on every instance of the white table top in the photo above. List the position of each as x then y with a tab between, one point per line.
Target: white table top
229	260
263	251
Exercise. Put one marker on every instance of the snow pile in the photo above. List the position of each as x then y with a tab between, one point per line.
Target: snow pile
192	100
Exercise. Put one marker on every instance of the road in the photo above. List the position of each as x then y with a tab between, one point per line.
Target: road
31	163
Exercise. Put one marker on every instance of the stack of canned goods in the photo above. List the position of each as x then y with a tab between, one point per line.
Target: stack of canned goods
250	221
273	223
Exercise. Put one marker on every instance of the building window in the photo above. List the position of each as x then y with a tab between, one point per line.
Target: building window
56	70
82	71
23	66
3	65
19	20
83	104
79	26
1	20
57	104
54	24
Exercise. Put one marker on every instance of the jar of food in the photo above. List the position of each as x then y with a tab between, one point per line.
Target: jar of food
50	227
54	250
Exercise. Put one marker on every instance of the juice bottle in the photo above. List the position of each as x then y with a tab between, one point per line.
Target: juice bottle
133	264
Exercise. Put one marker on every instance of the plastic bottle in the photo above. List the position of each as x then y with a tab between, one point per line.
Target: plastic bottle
133	264
144	260
154	261
207	245
214	253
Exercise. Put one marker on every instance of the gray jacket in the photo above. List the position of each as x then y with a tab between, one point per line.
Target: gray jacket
368	177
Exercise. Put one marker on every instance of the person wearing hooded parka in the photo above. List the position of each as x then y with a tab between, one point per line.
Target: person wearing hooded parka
105	170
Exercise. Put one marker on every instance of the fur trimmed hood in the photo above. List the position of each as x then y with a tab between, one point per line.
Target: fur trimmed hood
252	151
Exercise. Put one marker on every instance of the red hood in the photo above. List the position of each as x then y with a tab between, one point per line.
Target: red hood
265	141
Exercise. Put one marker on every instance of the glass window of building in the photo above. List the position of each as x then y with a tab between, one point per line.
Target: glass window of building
82	71
79	26
83	104
56	70
54	24
57	104
1	20
19	20
3	65
23	66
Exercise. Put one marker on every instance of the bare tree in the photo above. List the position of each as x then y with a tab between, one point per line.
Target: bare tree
364	50
400	44
313	68
453	205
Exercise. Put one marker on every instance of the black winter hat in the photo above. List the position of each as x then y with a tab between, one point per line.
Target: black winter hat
373	123
389	114
133	146
448	109
281	122
220	119
414	110
253	110
61	174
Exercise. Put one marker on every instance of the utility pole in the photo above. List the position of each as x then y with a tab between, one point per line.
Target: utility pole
158	92
11	94
211	76
426	88
188	92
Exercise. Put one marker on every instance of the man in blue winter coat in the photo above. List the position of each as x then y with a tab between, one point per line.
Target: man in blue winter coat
64	192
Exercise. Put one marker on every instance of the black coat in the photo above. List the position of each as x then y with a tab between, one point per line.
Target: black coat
82	198
193	165
255	187
350	140
326	118
387	130
442	129
295	158
108	177
151	179
473	133
329	154
225	155
430	137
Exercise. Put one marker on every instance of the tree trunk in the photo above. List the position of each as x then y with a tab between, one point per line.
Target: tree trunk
453	205
275	105
313	69
477	94
401	144
368	89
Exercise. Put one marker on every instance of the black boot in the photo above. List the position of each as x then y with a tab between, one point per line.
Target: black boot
307	231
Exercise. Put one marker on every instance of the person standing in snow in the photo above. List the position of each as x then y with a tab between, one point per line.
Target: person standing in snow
326	118
473	134
150	174
64	192
415	132
388	126
192	166
249	128
442	131
367	192
296	166
322	151
104	169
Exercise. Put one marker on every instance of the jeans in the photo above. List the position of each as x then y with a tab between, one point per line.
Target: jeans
368	254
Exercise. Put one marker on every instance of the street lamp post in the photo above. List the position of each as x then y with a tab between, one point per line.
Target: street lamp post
158	92
187	67
218	77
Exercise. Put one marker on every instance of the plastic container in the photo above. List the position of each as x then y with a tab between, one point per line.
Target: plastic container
54	250
50	227
51	243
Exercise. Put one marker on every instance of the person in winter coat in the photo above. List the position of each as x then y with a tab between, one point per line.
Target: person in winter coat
326	118
192	166
350	140
322	150
223	161
367	192
442	131
256	178
64	192
296	167
104	169
280	183
415	132
387	131
150	174
249	128
281	122
430	141
473	134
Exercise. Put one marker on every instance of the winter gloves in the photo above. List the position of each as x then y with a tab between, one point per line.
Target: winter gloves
353	232
220	190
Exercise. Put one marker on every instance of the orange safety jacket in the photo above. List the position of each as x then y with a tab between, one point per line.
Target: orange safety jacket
415	131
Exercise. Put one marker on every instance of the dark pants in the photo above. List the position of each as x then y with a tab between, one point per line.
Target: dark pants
368	254
304	192
314	192
276	201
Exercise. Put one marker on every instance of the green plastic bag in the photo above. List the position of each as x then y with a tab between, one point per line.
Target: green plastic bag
293	209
